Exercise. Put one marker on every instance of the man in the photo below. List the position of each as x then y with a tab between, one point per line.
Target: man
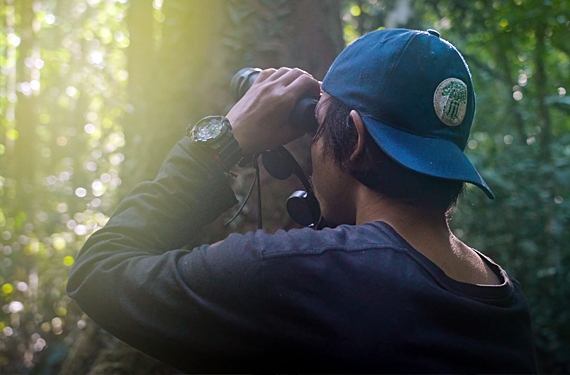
389	289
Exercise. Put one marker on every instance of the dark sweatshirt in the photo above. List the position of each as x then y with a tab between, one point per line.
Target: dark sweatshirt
353	299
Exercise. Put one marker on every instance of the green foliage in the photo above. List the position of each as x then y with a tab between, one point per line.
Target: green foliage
526	230
519	56
64	108
520	64
62	95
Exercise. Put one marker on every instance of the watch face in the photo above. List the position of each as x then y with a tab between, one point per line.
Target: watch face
209	130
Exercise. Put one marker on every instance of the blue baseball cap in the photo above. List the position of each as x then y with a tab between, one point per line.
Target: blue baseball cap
414	93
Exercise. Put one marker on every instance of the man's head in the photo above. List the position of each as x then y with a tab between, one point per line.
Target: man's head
412	92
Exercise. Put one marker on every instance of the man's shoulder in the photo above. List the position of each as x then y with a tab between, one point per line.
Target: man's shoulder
372	252
344	238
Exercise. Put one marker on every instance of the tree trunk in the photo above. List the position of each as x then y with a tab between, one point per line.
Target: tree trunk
25	153
542	93
204	43
142	65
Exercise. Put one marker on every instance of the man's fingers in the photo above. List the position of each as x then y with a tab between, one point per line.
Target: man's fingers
303	84
264	74
278	74
289	77
261	120
283	76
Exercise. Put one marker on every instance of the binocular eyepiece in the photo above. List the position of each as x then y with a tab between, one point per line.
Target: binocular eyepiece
302	115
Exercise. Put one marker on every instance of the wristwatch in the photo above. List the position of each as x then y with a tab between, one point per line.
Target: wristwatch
214	134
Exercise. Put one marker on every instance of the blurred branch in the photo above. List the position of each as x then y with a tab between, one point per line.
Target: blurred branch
541	87
512	103
562	107
360	19
481	65
558	43
561	103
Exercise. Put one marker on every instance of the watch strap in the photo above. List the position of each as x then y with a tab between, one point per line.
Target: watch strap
226	151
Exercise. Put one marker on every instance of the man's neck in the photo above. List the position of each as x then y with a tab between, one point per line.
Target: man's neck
374	206
427	231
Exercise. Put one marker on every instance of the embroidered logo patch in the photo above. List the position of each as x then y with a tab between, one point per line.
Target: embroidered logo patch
450	101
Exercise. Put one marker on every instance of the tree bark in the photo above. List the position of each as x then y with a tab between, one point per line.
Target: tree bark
141	57
204	43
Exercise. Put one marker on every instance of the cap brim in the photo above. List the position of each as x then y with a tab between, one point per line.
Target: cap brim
432	156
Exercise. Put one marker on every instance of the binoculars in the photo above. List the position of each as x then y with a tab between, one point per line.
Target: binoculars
302	115
302	206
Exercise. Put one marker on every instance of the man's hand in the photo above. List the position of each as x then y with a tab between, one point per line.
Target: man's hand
260	120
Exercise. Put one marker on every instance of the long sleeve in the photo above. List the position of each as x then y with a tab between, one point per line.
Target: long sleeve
128	276
353	299
240	305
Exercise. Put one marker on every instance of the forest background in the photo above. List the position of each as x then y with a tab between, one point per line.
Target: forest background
94	93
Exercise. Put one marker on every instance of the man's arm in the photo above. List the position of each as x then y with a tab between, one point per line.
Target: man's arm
134	279
127	275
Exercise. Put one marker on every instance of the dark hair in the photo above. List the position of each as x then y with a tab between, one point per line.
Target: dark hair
377	170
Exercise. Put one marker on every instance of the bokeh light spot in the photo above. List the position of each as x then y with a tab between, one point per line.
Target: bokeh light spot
46	327
59	244
15	306
7	288
80	230
68	261
89	128
80	192
50	19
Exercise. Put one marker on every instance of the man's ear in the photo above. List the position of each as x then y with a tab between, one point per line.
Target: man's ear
357	121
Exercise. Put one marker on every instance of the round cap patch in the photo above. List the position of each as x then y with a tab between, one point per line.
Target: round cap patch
450	101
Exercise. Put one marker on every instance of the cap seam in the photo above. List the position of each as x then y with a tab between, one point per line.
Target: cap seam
396	63
334	65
